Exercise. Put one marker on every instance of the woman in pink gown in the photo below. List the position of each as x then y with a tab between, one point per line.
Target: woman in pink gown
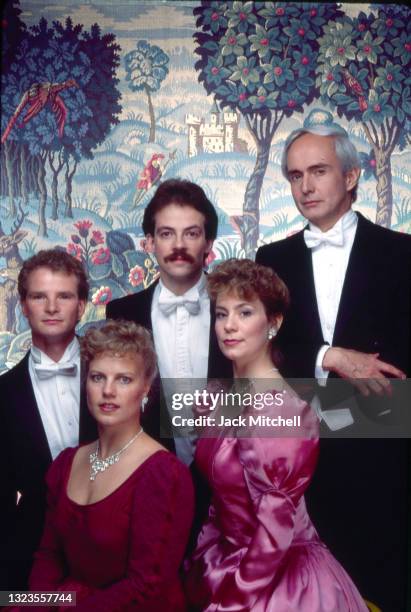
259	550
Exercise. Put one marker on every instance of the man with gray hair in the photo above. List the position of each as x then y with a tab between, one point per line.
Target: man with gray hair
349	281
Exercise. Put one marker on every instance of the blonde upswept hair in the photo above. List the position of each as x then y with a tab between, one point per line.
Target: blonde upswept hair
120	338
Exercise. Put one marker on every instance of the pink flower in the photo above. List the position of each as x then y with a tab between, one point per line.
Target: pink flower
96	238
210	258
101	256
83	227
75	250
136	276
102	296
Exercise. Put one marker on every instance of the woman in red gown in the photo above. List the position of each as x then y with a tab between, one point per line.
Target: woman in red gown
259	550
119	509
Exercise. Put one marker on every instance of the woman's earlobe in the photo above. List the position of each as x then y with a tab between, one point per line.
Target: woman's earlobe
276	322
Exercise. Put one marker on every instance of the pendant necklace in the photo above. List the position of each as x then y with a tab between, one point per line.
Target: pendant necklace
101	465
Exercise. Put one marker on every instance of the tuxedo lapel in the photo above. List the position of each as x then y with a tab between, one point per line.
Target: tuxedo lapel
144	306
355	291
26	413
303	286
136	307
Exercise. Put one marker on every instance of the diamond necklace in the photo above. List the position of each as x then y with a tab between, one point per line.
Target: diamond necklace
101	465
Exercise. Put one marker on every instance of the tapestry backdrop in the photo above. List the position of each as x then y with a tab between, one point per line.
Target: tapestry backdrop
102	100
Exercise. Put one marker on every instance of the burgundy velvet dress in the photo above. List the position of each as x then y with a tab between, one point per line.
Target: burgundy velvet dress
259	550
123	552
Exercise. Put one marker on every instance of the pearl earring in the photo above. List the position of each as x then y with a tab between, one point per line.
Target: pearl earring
272	332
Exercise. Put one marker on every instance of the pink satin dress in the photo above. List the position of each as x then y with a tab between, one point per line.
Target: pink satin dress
259	550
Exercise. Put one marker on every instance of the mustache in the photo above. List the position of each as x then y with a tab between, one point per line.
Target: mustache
179	254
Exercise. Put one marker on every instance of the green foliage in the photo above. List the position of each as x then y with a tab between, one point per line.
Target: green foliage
260	57
402	209
363	68
146	67
226	249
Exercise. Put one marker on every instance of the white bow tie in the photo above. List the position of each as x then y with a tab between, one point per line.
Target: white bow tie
168	303
334	237
45	372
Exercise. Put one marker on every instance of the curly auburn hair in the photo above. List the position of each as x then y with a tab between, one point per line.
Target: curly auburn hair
55	260
120	338
249	280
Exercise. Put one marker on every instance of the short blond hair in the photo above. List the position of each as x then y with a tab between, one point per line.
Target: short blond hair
119	338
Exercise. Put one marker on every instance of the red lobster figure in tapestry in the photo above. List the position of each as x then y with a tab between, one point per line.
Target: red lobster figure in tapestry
37	96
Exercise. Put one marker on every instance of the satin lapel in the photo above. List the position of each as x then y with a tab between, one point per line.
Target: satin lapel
303	288
361	265
27	414
144	306
156	421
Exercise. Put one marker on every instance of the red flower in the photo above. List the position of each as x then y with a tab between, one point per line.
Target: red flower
75	250
210	258
96	238
101	256
83	227
136	276
101	296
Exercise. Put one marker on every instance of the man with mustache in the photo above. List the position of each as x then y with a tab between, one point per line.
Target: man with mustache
180	225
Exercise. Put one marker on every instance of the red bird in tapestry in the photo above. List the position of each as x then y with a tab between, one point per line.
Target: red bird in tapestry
37	96
354	87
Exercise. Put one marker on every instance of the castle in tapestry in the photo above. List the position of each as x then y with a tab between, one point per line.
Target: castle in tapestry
220	135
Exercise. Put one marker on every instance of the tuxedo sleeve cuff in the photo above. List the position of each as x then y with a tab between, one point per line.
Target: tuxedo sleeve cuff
320	374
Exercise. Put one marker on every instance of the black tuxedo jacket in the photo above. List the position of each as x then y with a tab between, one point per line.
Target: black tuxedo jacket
358	498
137	308
156	420
24	460
374	310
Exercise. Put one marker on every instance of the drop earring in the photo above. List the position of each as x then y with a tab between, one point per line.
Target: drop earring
143	403
272	332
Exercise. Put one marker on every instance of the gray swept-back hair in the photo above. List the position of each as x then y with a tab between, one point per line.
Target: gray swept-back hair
344	148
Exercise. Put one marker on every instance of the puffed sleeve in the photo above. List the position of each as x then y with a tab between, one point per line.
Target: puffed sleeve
160	524
277	470
49	567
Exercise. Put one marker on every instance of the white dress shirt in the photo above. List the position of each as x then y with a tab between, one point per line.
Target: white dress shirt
58	398
329	267
181	341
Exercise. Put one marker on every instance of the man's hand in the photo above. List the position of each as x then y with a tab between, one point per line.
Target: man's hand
364	370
